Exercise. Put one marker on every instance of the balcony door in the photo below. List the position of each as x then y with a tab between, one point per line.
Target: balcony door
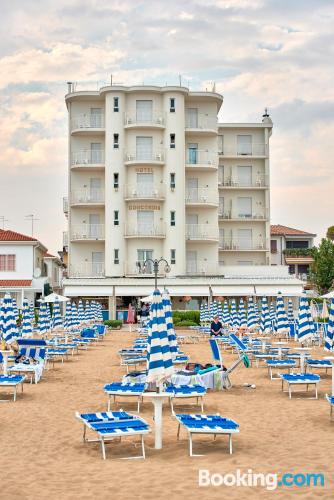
221	174
94	225
221	205
244	144
145	222
244	239
95	185
191	262
192	153
142	256
192	118
144	111
97	263
144	148
96	117
192	225
244	207
244	175
191	189
144	184
96	152
221	236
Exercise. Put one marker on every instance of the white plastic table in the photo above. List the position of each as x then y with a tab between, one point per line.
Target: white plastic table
279	346
5	354
157	398
303	351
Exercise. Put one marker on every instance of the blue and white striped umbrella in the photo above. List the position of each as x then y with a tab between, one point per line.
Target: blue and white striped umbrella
159	356
57	319
99	311
202	313
74	315
167	306
242	314
252	321
272	314
305	328
43	320
9	330
15	309
48	315
256	312
291	317
329	340
32	313
26	319
220	311
282	323
81	312
205	314
265	323
213	310
226	315
88	312
68	317
233	313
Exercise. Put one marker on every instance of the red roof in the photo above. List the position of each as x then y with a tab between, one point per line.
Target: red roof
279	230
10	283
47	254
8	235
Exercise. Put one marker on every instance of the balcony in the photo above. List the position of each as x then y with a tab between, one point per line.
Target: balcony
88	159
65	239
65	205
142	230
232	216
243	245
154	156
201	197
144	192
201	268
201	123
254	150
87	197
86	123
197	159
87	232
154	119
137	269
87	270
201	232
259	182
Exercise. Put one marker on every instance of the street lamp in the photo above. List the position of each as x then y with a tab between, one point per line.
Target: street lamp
156	263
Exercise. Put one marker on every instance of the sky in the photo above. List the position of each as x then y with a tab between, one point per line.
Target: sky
260	53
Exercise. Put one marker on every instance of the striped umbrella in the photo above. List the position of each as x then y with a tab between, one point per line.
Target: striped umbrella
324	311
159	356
74	314
213	310
329	340
291	317
99	311
9	330
226	314
57	319
88	314
265	323
206	314
202	313
26	319
256	312
233	313
305	328
48	315
252	321
282	324
43	321
68	316
272	314
15	309
220	311
81	312
242	314
167	307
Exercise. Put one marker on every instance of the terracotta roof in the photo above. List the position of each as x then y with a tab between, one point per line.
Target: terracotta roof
47	254
20	283
279	230
8	235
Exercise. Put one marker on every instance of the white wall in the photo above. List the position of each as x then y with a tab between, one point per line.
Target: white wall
24	261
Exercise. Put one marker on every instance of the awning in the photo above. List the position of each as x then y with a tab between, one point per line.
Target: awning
134	291
232	290
191	290
273	290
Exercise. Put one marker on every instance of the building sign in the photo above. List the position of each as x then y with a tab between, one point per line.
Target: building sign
144	170
144	207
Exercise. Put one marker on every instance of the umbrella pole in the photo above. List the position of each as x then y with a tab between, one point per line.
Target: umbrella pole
333	378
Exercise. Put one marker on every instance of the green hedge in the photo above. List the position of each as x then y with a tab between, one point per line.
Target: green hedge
113	323
185	323
192	316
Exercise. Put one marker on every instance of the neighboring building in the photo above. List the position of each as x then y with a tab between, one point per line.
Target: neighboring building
152	173
291	247
26	269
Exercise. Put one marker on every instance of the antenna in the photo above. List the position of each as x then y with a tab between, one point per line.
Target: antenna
3	220
111	80
31	217
180	80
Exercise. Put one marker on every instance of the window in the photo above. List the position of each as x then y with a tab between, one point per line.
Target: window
297	244
116	180
191	118
116	256
116	143
172	141
8	262
144	111
143	256
116	104
244	207
244	239
96	117
173	256
245	262
244	175
144	148
96	152
220	144
172	218
273	246
172	104
172	181
116	218
221	174
244	144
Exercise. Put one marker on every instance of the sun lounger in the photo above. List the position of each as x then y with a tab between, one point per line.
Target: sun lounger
330	400
279	364
120	389
186	392
206	424
11	382
319	363
133	361
111	425
298	379
180	359
243	358
35	349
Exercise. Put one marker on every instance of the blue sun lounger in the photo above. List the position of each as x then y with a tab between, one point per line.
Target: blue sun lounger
298	379
186	392
206	424
111	425
279	364
120	389
330	400
31	348
11	382
319	363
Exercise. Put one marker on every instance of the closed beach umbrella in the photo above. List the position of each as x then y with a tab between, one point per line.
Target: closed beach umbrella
291	317
26	319
226	314
252	321
9	330
100	315
314	310
305	330
201	313
242	314
43	321
81	312
213	310
15	309
88	314
256	312
167	306
220	311
265	323
233	313
329	340
272	314
57	319
74	314
282	324
324	311
68	316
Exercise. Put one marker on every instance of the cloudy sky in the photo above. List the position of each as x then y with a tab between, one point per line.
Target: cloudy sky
275	53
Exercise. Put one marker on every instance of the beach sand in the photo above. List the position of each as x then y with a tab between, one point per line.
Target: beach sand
43	457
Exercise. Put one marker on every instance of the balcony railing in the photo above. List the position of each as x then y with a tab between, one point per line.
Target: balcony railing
88	157
142	191
234	215
65	205
245	150
201	232
257	182
65	238
142	118
200	157
201	267
87	232
87	121
201	196
201	122
145	230
145	155
87	196
138	269
242	244
87	270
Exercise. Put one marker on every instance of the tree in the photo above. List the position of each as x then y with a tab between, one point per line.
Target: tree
330	233
322	269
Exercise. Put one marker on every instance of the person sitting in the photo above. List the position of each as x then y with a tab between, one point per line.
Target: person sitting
216	327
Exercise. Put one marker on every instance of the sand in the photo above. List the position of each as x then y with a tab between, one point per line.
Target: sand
43	457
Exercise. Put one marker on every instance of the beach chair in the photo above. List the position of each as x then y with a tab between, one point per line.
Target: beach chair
325	364
206	424
216	354
111	425
300	379
186	392
89	334
279	364
11	382
31	348
101	330
124	389
330	400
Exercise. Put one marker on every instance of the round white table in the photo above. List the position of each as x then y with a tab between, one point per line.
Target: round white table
303	351
5	354
279	346
157	398
331	358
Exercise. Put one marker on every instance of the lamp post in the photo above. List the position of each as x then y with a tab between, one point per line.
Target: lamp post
155	263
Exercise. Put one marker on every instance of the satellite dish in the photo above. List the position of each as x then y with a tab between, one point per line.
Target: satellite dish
37	272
